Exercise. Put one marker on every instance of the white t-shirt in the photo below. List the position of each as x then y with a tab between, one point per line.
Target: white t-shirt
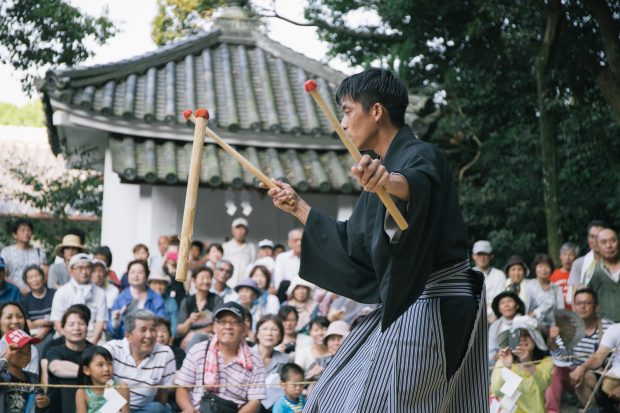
495	283
240	255
611	339
285	268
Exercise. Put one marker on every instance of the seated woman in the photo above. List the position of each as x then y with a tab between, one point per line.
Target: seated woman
529	359
136	296
544	296
63	360
196	311
300	296
288	316
506	306
13	317
38	305
158	282
267	303
335	334
269	333
309	350
247	295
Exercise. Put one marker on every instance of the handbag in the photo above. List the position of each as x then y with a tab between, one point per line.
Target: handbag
212	403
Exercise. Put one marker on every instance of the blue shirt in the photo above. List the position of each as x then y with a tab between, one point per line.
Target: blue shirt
153	303
9	293
285	405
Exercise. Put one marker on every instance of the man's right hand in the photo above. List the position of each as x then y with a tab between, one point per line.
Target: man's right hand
576	376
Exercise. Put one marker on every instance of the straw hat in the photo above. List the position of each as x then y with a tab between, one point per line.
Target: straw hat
69	240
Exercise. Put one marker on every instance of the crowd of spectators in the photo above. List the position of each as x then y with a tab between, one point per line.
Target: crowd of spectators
244	332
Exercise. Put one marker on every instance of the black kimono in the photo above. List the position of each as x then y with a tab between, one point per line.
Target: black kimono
424	348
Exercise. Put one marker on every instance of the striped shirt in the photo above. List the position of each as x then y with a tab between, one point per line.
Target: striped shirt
192	373
157	369
582	351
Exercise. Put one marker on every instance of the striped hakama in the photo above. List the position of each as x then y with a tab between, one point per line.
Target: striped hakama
403	369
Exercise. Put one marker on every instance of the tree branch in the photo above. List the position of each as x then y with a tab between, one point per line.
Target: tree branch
322	24
609	33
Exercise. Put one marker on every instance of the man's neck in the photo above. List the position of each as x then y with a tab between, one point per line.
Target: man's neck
384	138
591	322
229	351
40	293
485	269
612	262
219	286
22	245
138	357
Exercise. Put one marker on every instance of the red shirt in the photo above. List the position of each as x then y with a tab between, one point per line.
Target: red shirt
560	278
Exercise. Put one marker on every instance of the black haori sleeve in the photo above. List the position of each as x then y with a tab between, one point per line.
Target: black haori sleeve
334	257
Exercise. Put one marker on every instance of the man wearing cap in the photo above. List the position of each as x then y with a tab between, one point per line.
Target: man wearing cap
238	251
494	279
59	271
21	254
15	353
287	264
224	364
80	290
8	291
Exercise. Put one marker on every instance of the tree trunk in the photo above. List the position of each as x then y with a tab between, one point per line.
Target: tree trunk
548	135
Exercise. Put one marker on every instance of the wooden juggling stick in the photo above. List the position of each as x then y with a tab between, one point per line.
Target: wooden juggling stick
311	87
193	180
247	165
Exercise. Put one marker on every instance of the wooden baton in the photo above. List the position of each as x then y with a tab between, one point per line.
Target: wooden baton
247	165
193	180
311	87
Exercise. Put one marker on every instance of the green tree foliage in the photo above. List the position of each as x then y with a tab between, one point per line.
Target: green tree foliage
38	34
181	18
30	114
483	56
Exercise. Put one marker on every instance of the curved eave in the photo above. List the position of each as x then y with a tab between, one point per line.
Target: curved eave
77	117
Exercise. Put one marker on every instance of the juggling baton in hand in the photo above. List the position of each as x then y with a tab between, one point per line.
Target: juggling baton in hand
311	87
193	179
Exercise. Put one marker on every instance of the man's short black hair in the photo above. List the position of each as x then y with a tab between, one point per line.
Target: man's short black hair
289	368
199	244
587	291
597	223
14	225
376	86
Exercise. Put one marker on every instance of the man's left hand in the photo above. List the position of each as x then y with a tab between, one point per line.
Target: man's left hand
370	173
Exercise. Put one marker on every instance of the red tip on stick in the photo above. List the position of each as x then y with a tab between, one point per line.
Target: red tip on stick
310	85
202	113
187	113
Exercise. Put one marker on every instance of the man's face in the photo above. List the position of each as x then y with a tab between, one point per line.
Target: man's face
361	126
81	272
162	244
239	233
23	234
567	257
584	306
35	280
229	329
194	252
607	244
264	252
294	242
223	273
142	338
592	235
98	275
483	260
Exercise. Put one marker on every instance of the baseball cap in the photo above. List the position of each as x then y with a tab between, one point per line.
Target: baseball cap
2	264
237	222
19	338
231	307
483	247
97	261
79	258
266	243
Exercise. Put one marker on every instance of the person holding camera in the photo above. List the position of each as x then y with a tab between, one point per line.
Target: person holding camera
524	352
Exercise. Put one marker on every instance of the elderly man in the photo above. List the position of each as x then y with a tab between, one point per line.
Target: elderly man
494	279
287	264
582	268
224	364
8	292
141	362
606	275
80	290
222	273
238	251
585	305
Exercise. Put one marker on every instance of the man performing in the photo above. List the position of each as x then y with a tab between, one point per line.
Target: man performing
424	348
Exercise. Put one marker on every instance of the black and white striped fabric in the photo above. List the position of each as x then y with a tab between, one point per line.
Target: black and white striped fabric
403	368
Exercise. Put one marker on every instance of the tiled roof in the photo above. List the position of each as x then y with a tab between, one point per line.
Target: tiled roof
167	162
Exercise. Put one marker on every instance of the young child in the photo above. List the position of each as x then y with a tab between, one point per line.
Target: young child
293	400
96	370
15	353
